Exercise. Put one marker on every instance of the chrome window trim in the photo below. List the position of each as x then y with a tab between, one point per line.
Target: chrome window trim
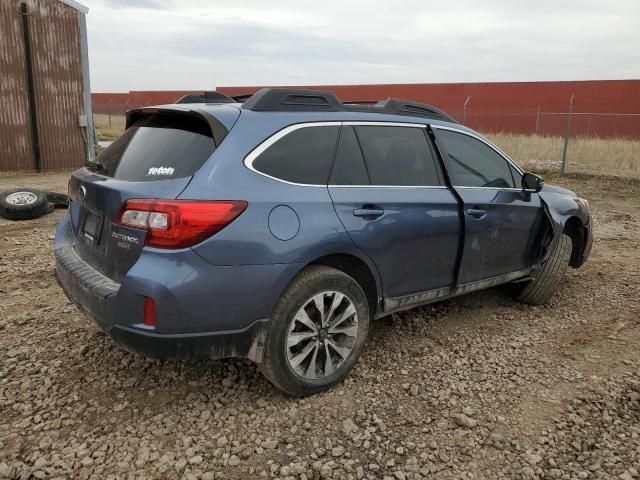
490	145
362	123
462	187
389	186
255	153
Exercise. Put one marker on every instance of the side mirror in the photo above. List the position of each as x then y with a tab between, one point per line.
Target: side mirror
532	182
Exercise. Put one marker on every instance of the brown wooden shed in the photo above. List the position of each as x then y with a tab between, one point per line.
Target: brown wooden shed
45	101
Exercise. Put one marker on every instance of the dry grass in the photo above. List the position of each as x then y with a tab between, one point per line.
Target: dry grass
108	130
598	155
589	154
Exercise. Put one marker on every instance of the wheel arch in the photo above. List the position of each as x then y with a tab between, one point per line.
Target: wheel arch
359	270
575	229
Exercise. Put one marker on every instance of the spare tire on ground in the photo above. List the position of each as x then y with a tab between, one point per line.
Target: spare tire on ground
59	200
24	204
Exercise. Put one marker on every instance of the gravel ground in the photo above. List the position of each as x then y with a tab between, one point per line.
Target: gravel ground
477	387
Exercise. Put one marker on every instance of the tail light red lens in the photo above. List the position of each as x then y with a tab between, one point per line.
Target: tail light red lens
179	223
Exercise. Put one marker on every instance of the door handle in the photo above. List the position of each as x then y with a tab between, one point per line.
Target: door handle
476	213
368	212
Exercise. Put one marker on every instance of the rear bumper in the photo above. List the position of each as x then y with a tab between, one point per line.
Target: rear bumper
202	310
94	294
212	345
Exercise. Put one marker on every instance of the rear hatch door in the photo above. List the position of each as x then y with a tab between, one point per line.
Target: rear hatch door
155	157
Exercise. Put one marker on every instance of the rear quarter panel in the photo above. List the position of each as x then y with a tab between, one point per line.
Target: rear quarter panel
249	240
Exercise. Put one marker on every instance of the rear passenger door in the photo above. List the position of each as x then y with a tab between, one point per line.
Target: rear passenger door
501	221
389	193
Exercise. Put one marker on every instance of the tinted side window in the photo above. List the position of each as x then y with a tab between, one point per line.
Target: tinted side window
517	177
349	167
472	163
302	156
398	156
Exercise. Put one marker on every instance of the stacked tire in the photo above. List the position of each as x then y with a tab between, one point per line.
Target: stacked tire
27	203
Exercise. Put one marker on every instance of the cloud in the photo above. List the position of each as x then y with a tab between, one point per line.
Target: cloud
195	44
155	4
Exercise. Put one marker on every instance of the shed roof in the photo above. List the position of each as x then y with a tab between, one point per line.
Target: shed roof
78	6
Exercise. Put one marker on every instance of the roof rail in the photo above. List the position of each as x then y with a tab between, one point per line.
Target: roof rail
288	100
284	99
242	98
206	97
361	102
417	109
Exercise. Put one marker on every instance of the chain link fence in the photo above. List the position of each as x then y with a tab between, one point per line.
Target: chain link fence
581	142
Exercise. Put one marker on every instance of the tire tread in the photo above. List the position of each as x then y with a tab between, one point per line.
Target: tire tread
24	212
269	366
546	282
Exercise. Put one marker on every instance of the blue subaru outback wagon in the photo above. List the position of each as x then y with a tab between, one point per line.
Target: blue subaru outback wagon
277	229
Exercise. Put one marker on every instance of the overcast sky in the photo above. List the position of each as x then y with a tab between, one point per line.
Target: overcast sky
201	44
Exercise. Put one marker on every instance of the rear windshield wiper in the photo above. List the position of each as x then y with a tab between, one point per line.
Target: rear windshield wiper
94	166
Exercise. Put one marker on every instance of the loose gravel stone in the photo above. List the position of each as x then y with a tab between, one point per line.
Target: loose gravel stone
463	421
477	387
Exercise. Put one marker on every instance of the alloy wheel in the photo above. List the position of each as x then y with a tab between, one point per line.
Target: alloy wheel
322	334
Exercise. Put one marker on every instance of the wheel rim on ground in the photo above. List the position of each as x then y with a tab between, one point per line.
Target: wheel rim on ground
21	198
322	334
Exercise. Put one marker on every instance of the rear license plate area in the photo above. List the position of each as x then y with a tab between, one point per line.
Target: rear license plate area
92	226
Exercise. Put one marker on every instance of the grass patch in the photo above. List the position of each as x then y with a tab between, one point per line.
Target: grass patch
108	128
618	156
588	154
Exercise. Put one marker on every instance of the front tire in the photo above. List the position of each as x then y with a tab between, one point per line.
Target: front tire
547	279
317	331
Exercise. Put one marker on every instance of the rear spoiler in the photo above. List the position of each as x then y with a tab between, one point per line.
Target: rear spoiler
218	130
206	97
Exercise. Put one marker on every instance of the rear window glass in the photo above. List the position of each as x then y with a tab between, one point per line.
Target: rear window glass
158	147
303	156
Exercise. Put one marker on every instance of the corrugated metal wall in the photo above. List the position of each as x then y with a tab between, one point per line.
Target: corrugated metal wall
16	151
57	71
603	108
605	96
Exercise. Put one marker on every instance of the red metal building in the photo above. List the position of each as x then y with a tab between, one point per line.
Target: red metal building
611	105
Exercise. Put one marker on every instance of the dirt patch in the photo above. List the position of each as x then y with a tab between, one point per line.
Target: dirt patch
476	387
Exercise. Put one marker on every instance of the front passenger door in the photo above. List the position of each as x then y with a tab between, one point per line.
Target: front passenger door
501	221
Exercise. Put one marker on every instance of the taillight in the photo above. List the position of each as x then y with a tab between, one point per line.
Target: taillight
179	223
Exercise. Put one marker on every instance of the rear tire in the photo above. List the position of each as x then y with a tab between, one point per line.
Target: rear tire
24	204
310	349
547	279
